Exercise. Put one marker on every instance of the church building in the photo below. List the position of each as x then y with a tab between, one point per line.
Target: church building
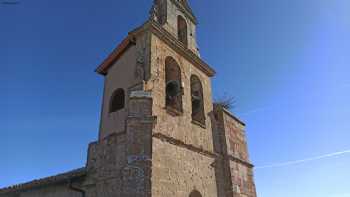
160	133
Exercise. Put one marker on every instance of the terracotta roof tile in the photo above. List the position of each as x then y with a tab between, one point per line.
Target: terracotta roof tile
46	181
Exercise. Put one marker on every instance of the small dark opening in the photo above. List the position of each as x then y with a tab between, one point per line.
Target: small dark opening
173	89
198	114
117	101
173	85
195	193
182	30
196	104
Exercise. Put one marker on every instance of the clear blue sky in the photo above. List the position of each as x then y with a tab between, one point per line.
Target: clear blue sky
286	62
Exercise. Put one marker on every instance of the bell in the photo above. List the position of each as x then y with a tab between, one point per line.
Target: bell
196	103
196	97
173	89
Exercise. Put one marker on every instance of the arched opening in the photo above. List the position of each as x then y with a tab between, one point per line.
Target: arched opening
161	11
195	193
182	30
198	114
173	85
117	100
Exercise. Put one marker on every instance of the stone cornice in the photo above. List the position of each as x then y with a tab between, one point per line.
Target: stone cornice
236	159
193	148
227	112
162	34
176	45
187	10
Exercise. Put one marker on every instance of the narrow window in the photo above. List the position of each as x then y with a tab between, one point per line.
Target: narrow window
195	193
161	11
182	30
117	100
198	114
173	85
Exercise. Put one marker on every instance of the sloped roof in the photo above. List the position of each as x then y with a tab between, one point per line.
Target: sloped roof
162	34
115	55
46	181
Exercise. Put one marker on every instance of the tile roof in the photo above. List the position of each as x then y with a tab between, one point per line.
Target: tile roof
46	181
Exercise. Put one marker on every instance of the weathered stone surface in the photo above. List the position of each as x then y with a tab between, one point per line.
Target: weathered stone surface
242	180
168	11
181	126
230	143
128	73
177	171
146	149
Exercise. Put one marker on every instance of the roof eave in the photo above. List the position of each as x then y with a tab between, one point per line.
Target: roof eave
179	47
115	55
60	178
162	34
123	46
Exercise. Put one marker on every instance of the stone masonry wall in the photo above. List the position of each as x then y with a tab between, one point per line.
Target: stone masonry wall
120	75
237	157
120	164
235	137
171	26
178	171
179	127
137	174
242	180
127	73
106	159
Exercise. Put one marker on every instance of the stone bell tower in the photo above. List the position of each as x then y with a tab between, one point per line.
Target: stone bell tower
160	134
